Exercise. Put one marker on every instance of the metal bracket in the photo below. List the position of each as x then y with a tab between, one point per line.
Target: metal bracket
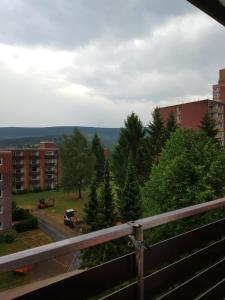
138	243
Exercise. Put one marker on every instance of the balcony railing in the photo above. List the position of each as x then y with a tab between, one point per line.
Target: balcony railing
188	266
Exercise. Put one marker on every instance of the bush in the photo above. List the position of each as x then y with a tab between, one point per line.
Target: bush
36	190
20	214
8	237
28	224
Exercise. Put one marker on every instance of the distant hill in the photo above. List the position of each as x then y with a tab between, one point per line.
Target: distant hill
26	136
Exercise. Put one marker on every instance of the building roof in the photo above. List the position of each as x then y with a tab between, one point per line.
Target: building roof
214	8
190	102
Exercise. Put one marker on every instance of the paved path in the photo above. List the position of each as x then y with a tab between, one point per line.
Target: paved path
70	261
50	230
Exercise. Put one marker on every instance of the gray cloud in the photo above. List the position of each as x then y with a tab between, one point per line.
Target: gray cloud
67	23
124	55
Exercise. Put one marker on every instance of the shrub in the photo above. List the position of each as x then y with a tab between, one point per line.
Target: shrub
28	224
8	237
20	214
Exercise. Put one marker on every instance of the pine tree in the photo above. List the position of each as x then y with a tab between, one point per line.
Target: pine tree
208	125
156	132
171	125
106	211
104	218
91	208
131	140
130	202
97	150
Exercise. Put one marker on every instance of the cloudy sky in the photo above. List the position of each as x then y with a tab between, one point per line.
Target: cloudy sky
92	62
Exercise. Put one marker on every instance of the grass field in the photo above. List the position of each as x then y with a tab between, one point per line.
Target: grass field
63	201
23	241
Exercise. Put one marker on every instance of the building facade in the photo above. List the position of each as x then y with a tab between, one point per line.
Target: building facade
5	190
219	89
35	168
190	115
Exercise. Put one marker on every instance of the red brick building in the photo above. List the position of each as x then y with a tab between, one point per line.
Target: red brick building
5	190
219	89
36	168
189	115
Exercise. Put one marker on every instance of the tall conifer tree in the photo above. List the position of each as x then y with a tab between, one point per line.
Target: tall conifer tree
208	125
132	141
105	217
157	136
97	150
130	202
171	125
91	208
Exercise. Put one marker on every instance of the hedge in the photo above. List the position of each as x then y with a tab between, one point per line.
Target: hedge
28	224
8	236
20	214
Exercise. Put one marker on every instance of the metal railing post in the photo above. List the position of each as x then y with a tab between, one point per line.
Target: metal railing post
138	241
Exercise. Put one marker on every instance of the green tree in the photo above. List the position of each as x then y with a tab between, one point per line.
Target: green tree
130	206
191	170
156	135
106	211
91	208
171	125
97	150
105	217
208	125
77	162
132	141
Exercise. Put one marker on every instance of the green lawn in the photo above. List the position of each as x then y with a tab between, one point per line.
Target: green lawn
63	201
25	240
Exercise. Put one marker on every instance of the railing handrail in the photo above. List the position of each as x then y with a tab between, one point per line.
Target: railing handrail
12	261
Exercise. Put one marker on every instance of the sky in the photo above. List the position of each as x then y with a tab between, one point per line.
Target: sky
93	62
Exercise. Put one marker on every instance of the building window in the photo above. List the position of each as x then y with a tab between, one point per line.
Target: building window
49	153
1	161
1	209
1	177
1	193
18	187
1	225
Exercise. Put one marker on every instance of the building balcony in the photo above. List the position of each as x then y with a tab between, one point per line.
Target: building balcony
187	266
50	172
35	162
50	156
50	164
49	179
18	180
18	175
33	157
18	171
34	180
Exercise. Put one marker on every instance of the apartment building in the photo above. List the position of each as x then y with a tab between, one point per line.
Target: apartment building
35	168
5	190
190	115
219	89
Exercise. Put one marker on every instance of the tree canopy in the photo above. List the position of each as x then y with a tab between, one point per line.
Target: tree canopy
157	135
131	141
191	170
97	150
77	162
171	125
130	206
208	125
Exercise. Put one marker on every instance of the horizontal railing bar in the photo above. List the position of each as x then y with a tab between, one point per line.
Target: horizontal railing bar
34	255
12	261
182	213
